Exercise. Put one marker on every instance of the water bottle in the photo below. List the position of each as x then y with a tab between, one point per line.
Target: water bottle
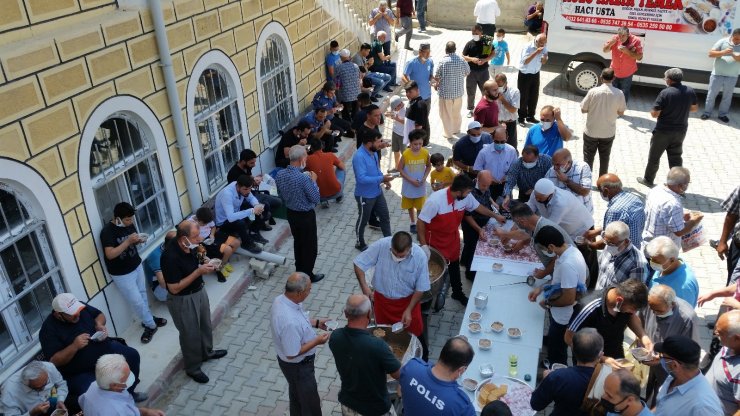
513	364
53	399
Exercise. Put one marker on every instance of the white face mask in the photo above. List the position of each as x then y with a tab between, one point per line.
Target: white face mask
189	244
605	198
474	139
130	380
529	165
613	250
618	307
657	267
549	253
564	169
119	222
499	38
476	38
303	165
665	315
396	258
546	125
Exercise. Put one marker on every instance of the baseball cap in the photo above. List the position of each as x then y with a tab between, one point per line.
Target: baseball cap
344	53
474	125
424	47
67	303
681	348
544	186
395	101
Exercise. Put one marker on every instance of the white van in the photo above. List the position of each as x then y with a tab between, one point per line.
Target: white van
674	33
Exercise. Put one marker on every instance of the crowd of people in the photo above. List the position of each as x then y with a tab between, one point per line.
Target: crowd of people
608	274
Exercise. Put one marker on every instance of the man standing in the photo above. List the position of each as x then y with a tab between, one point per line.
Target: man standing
119	239
666	315
363	362
369	178
620	206
420	380
348	76
405	11
571	176
508	107
729	241
450	75
400	278
301	195
465	151
487	109
421	70
486	12
726	54
626	50
496	159
602	106
550	133
685	391
524	173
622	395
533	56
664	214
231	219
477	53
382	19
417	115
565	387
188	301
295	341
671	108
620	260
724	373
28	391
438	224
472	226
332	60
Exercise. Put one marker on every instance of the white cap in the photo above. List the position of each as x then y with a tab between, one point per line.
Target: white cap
395	101
67	303
544	186
344	53
474	125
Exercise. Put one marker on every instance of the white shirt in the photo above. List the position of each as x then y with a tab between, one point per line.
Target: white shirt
437	204
512	95
98	402
17	398
579	173
535	64
565	210
486	12
570	268
290	329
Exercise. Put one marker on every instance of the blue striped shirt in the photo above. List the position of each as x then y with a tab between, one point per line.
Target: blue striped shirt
524	178
629	209
297	189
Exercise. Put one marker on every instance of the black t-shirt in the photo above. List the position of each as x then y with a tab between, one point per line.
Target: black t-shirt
177	265
591	312
112	236
56	335
235	172
474	49
674	103
362	362
287	141
566	388
419	113
466	151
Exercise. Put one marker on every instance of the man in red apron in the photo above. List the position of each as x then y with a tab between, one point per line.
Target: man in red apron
439	223
400	279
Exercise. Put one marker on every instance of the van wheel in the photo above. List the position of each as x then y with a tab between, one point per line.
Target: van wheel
584	77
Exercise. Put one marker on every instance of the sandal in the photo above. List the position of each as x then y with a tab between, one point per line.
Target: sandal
159	322
148	334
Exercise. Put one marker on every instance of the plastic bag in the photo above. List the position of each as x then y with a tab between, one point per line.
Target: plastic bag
693	238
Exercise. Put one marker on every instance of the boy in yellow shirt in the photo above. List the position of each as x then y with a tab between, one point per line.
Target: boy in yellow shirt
441	176
414	167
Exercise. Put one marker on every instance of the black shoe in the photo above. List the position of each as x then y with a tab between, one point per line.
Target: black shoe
317	277
724	119
148	334
221	277
259	239
408	48
704	117
216	354
361	247
160	322
521	122
339	199
199	377
643	181
373	99
335	150
532	120
460	297
265	227
252	247
271	221
139	397
710	325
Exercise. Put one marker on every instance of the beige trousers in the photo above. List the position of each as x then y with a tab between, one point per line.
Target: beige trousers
449	112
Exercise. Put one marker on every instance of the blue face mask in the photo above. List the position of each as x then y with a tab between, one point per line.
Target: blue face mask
664	364
335	53
499	147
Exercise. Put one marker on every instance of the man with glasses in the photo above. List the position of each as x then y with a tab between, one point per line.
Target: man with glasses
31	391
496	159
626	50
620	260
399	281
686	391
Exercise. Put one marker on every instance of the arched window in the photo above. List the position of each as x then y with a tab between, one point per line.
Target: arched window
124	167
30	275
218	127
276	79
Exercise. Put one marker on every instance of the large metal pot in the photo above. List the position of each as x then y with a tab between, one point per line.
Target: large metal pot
436	281
404	345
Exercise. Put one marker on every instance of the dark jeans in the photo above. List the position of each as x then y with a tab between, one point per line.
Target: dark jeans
388	68
455	282
349	110
305	239
259	220
473	80
592	263
367	207
511	134
239	229
733	256
407	29
624	84
470	240
303	392
529	88
270	202
497	190
669	142
421	12
593	144
342	126
488	29
557	349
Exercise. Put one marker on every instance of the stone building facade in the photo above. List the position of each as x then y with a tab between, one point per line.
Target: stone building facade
86	121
